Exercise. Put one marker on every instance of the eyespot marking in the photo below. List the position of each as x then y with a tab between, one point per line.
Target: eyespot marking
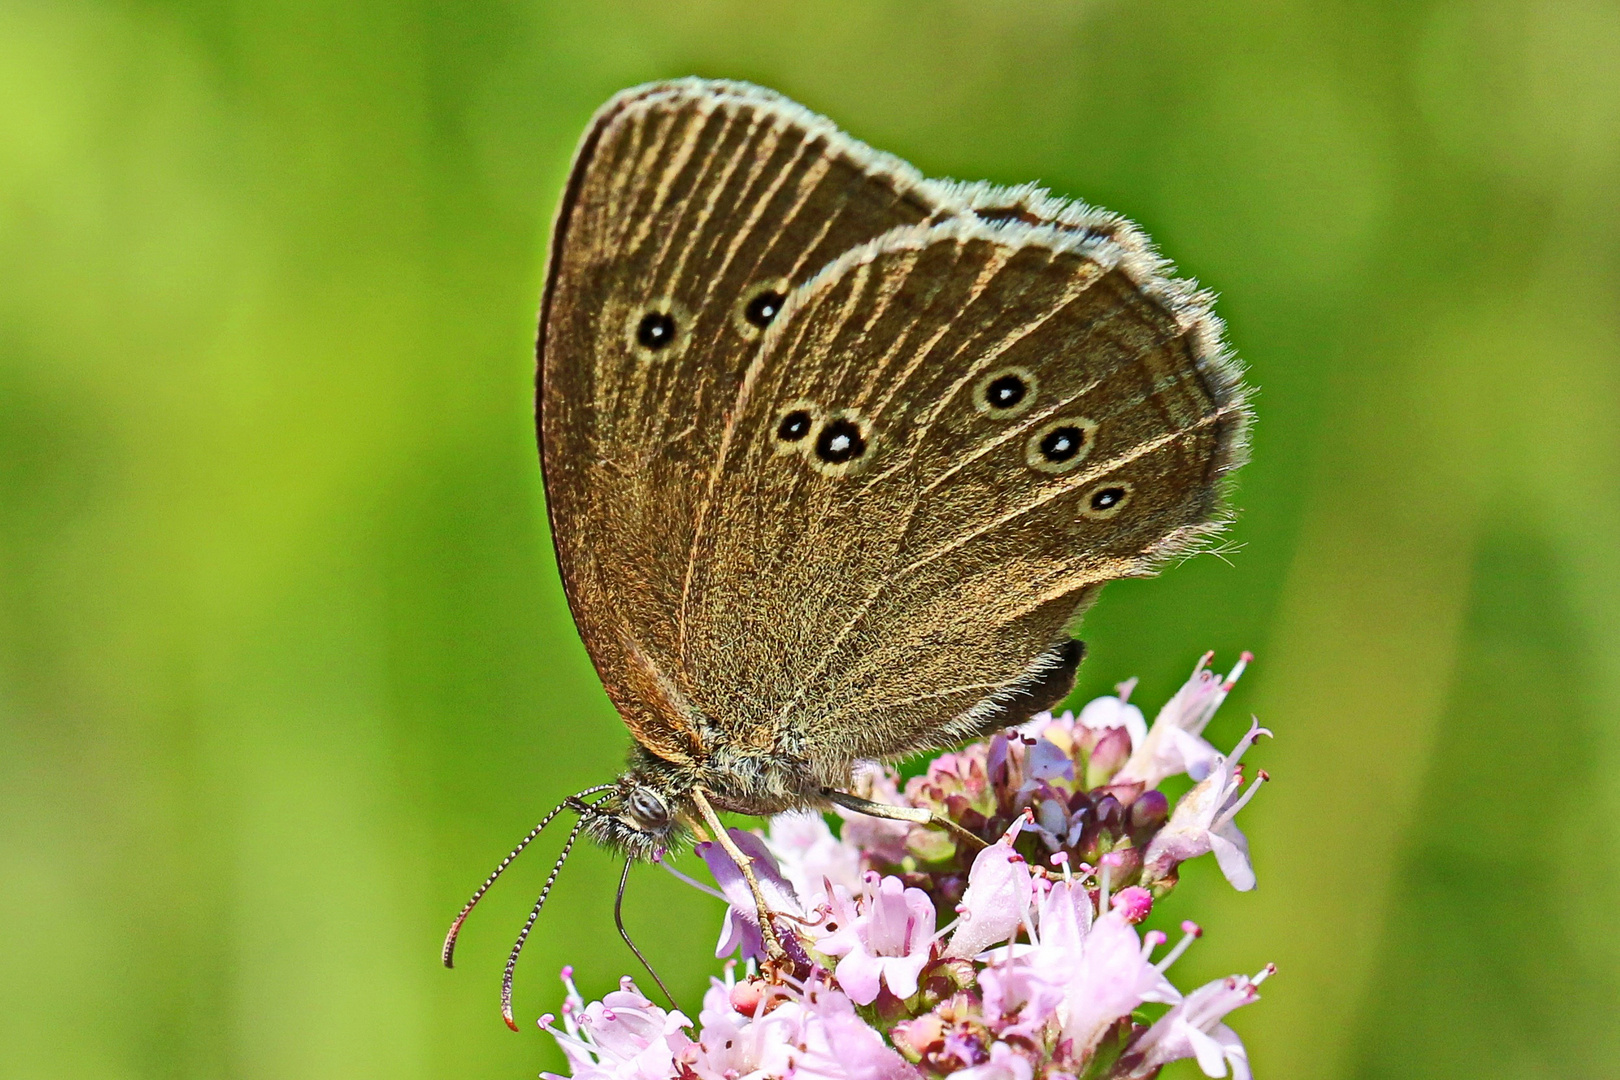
795	423
758	307
763	308
840	441
1005	393
794	426
656	330
1060	445
1107	499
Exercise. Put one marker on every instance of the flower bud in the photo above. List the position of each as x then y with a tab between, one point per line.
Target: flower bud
1085	741
1110	816
1148	812
916	1038
1113	749
746	996
1122	865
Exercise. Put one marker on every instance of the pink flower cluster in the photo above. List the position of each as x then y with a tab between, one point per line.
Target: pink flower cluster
914	958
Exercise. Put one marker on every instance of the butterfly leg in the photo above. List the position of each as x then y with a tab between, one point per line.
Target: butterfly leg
901	813
767	925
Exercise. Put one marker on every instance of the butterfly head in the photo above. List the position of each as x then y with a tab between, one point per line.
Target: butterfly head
643	816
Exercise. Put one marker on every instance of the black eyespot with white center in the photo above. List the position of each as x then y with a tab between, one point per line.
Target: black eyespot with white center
840	442
1005	391
759	305
794	426
1062	444
656	330
763	308
1106	499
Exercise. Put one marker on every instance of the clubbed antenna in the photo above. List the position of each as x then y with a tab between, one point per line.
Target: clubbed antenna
449	953
556	868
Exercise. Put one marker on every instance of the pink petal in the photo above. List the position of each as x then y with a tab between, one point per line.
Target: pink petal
1231	849
901	972
996	902
860	973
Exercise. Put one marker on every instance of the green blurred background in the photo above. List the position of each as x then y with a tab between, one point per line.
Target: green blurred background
284	663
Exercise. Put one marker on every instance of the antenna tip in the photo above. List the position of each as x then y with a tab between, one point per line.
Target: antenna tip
448	953
506	1014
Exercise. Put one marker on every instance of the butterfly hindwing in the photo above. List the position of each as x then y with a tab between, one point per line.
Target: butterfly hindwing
869	604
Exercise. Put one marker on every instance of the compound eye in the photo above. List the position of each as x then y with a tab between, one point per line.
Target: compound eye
647	809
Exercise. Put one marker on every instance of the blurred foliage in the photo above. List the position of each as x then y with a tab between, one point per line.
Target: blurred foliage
284	664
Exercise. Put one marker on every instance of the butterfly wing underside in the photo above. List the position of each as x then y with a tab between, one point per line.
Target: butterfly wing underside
687	200
843	606
724	580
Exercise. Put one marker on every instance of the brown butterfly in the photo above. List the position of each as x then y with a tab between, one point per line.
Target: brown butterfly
836	455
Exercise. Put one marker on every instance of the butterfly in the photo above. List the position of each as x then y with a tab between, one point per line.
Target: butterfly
836	455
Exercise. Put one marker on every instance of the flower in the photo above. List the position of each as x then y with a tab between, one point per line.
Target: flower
1021	992
807	853
834	1043
1173	745
741	927
1111	977
1065	916
1005	1064
1042	970
884	936
1193	1029
1203	821
1046	760
997	899
1107	713
622	1037
733	1043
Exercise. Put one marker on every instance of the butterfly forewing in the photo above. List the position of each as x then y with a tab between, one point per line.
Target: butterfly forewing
691	211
